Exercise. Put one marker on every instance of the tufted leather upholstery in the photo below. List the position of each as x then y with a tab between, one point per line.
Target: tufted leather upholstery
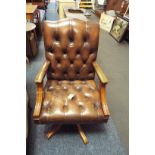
70	94
71	46
71	102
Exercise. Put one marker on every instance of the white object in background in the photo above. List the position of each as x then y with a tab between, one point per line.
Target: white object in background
101	2
106	22
111	13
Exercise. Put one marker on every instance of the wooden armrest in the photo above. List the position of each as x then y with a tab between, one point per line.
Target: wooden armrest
103	101
41	74
39	94
39	98
100	73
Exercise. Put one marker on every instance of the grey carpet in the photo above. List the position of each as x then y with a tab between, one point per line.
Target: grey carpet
114	60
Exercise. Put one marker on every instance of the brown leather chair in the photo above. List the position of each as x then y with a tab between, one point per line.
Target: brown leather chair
70	95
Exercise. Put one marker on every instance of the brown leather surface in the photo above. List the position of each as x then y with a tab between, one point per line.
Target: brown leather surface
70	94
71	102
71	46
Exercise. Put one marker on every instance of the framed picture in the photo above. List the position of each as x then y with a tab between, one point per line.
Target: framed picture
106	22
118	29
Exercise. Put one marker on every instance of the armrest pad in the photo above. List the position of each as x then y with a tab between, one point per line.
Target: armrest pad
100	73
40	76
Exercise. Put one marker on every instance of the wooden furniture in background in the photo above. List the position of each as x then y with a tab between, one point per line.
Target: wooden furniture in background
86	4
30	11
35	16
74	15
98	12
126	14
114	5
31	40
41	4
119	6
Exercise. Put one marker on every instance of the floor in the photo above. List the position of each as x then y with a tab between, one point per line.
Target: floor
114	59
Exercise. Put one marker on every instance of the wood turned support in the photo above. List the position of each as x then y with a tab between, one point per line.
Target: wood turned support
40	93
39	98
103	100
82	134
52	132
56	128
102	87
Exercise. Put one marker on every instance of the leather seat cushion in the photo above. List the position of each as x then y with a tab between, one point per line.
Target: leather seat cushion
71	102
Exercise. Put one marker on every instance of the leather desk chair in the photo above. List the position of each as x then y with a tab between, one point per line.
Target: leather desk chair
70	95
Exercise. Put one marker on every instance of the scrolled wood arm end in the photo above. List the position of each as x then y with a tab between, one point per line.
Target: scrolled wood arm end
104	102
103	81
100	73
41	74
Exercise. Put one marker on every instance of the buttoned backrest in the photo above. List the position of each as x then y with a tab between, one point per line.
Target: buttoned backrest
71	46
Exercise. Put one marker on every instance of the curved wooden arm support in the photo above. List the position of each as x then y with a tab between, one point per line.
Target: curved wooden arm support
39	94
103	81
103	101
39	98
40	76
100	73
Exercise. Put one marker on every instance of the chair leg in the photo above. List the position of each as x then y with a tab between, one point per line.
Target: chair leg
53	131
82	134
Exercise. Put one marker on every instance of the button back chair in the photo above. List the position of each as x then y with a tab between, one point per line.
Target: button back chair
70	95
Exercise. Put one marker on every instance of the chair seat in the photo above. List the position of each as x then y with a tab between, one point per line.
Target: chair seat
71	102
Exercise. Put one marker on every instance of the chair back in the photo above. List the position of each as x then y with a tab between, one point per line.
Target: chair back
71	46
